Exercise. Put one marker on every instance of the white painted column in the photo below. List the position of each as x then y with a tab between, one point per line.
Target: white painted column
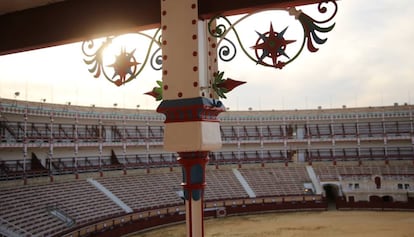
189	104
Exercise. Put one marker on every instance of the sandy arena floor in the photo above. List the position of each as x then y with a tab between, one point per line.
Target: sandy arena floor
306	224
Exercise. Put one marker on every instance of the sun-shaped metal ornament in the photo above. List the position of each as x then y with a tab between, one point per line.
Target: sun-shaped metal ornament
271	45
125	63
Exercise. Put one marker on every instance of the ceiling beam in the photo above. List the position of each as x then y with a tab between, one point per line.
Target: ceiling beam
211	8
77	20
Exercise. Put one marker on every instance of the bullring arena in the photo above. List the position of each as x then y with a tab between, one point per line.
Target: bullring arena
87	171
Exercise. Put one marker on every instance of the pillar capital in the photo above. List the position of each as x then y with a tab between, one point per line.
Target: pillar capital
191	109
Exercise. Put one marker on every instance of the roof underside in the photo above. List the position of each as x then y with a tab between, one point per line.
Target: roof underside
34	24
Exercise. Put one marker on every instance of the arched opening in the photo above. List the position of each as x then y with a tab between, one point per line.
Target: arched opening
375	198
331	194
387	198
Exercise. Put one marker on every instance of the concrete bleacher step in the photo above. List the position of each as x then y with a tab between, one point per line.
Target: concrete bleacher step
244	183
110	195
11	230
315	181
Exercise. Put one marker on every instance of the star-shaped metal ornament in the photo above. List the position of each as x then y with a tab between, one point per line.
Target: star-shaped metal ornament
125	63
272	44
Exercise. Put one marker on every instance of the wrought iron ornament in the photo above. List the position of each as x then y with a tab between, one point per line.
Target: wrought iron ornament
156	91
125	67
270	49
220	86
271	44
223	86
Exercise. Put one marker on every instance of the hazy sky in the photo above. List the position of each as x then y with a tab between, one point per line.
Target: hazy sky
367	61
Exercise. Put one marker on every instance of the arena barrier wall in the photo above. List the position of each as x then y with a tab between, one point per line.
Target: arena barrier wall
342	204
145	220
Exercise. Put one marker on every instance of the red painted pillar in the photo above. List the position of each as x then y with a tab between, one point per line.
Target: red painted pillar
193	168
195	130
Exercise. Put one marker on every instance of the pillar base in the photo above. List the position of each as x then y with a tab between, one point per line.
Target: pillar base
194	167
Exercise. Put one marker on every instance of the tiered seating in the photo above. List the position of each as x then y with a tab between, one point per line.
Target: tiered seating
135	133
249	133
228	133
272	132
246	157
144	191
66	133
223	157
254	133
319	155
276	180
377	153
333	173
345	130
326	173
80	164
370	129
223	184
144	160
401	153
318	130
364	153
397	170
346	154
27	206
397	128
25	209
14	169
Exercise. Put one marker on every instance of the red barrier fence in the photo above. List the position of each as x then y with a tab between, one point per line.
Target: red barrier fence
156	218
342	204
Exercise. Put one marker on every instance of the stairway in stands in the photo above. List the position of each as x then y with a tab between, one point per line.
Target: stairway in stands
315	181
110	195
244	183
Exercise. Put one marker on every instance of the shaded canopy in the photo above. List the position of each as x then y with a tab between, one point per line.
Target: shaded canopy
34	24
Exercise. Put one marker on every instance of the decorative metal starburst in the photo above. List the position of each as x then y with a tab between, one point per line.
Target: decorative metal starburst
273	45
271	48
126	67
125	63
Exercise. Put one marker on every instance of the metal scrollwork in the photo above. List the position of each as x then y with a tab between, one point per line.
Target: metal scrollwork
126	66
271	47
227	52
156	60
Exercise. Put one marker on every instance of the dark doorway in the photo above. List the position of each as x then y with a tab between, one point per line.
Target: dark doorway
374	198
387	199
378	182
331	194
